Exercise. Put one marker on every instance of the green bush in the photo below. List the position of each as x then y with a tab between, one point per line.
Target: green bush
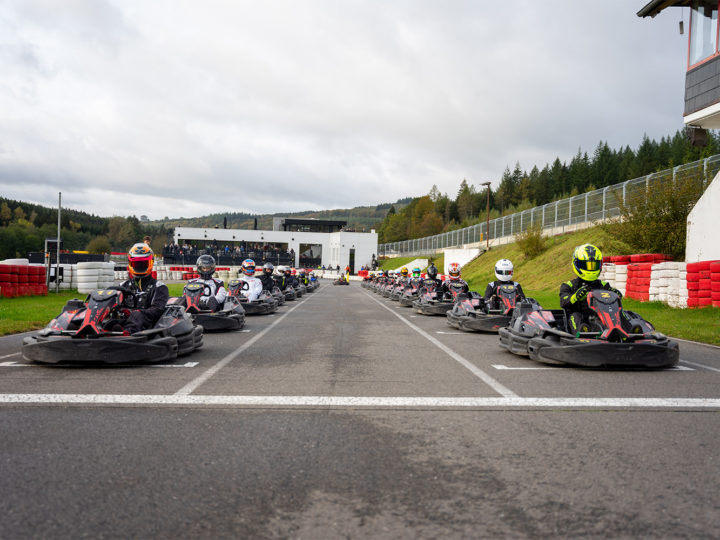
531	241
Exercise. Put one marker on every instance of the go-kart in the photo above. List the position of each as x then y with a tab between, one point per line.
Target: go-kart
397	290
278	295
229	316
431	301
409	293
616	337
84	333
264	304
289	294
472	314
341	280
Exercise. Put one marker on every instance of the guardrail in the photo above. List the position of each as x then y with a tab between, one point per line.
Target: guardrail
563	215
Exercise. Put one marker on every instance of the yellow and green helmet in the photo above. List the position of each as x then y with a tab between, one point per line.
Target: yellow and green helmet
587	262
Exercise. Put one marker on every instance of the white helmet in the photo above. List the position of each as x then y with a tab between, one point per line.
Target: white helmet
504	270
281	269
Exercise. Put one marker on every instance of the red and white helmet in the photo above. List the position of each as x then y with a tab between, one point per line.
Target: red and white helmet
504	270
454	271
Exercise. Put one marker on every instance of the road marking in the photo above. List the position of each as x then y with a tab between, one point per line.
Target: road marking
450	333
535	368
362	402
194	384
244	331
185	365
487	379
703	366
9	355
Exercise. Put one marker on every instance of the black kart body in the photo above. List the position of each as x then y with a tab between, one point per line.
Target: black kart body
83	333
229	316
409	293
472	313
617	337
432	301
265	303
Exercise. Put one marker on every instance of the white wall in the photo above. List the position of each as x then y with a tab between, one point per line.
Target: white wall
703	241
461	256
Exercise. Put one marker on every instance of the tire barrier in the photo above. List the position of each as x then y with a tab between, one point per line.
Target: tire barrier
653	277
21	279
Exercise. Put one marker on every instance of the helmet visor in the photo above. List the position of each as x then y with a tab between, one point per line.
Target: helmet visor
502	272
590	266
141	265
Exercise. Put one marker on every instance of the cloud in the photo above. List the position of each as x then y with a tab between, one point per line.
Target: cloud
170	108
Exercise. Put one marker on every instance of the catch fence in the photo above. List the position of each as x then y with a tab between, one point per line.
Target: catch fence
559	216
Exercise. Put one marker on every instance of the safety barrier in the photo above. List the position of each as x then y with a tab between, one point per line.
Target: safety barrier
560	216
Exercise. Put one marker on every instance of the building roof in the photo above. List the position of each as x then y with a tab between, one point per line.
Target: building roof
656	6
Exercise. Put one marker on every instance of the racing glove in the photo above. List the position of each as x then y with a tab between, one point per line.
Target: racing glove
580	294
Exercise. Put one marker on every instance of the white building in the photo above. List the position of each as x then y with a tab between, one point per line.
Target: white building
340	248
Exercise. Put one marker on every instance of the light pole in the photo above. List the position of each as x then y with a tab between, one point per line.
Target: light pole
487	222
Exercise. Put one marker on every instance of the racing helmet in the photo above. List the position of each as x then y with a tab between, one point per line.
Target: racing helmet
287	270
293	271
587	262
432	271
504	270
454	271
248	267
205	266
416	272
268	269
404	271
140	260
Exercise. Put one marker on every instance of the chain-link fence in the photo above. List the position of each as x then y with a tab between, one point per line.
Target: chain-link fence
563	215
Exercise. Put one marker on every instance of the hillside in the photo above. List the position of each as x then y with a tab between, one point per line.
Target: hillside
361	218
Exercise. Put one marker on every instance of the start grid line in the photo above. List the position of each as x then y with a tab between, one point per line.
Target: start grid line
508	400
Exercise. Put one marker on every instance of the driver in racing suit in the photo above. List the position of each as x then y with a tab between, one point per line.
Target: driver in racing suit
431	281
266	278
504	273
214	293
454	284
151	295
586	263
254	285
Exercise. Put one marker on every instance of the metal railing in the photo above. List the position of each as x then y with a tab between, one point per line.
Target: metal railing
562	215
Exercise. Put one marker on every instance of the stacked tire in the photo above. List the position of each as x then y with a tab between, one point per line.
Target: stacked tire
703	284
668	285
18	278
94	275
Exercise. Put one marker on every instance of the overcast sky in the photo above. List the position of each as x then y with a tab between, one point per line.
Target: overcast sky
185	108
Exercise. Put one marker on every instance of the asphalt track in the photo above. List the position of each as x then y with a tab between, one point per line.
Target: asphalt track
344	415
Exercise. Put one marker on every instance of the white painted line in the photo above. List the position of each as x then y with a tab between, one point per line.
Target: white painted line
192	385
185	365
451	333
695	342
487	379
244	331
357	402
703	366
9	355
535	368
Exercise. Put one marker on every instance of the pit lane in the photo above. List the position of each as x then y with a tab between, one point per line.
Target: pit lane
344	414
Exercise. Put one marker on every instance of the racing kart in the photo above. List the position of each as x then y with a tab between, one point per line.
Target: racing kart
85	333
265	303
230	316
409	294
472	314
341	281
431	301
616	338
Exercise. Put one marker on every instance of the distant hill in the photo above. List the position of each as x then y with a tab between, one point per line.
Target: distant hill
360	218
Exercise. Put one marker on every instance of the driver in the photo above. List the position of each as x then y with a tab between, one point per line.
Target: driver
151	295
254	285
431	280
266	278
586	263
455	283
214	293
416	275
504	273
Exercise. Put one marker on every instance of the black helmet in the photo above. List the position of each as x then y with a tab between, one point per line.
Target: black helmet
205	266
268	268
432	271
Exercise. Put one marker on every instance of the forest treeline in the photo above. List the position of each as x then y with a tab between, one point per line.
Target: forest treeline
519	189
25	226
